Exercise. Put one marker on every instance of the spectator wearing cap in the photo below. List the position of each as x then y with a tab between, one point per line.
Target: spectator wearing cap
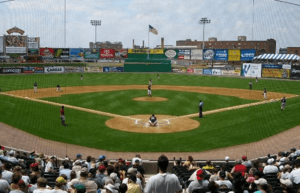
16	177
287	185
59	183
137	157
246	162
270	168
200	183
91	186
42	186
4	156
66	170
101	175
109	188
163	181
4	185
133	187
7	174
11	157
77	167
285	172
114	178
139	168
110	169
239	168
227	174
89	162
21	187
34	167
293	153
123	172
262	186
134	172
49	166
222	182
209	166
101	160
227	164
79	188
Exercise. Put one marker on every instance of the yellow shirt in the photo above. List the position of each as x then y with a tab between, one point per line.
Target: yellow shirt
208	167
134	188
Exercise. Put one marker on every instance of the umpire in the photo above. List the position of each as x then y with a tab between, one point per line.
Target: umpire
200	109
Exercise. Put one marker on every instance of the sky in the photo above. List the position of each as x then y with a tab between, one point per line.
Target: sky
125	20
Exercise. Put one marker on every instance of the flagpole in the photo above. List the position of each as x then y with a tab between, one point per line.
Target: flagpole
148	42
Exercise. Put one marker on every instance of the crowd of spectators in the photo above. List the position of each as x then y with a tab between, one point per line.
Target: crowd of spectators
37	173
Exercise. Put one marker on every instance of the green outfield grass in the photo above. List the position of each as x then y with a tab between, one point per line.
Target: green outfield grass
17	82
86	129
120	102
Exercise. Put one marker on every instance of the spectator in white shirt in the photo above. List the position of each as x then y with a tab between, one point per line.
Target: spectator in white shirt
163	182
7	174
4	185
137	157
200	183
270	168
295	174
66	170
49	166
11	157
222	182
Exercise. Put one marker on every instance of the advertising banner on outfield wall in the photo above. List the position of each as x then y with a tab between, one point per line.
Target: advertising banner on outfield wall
190	70
1	44
251	70
275	73
47	52
221	54
247	55
184	54
234	55
16	50
145	51
93	69
33	52
121	54
170	54
12	70
107	53
197	54
113	69
286	66
38	70
33	43
74	69
217	72
28	70
76	53
208	54
91	53
231	72
295	72
179	70
62	52
198	71
274	66
54	69
207	71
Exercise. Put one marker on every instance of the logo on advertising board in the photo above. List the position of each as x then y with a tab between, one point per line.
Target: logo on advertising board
208	54
15	30
38	70
207	71
198	71
221	55
76	53
28	70
216	72
113	69
107	53
171	53
15	50
54	69
234	55
196	54
11	70
247	55
47	52
286	66
251	70
272	66
121	54
295	71
190	70
62	53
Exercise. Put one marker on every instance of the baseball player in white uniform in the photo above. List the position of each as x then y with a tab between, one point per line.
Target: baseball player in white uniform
149	91
265	94
35	87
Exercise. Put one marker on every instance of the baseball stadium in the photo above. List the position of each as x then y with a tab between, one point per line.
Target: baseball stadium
212	116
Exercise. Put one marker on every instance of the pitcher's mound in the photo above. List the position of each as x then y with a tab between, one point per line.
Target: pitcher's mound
139	124
150	99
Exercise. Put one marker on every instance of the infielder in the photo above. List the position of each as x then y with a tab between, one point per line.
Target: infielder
157	76
58	88
81	77
149	91
150	82
201	104
153	120
250	85
62	116
35	87
265	94
283	101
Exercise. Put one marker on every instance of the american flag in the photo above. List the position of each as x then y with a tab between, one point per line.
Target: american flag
153	30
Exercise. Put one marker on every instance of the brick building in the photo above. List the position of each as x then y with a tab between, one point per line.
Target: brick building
107	45
293	50
261	47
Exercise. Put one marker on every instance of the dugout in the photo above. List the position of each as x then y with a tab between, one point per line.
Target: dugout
145	65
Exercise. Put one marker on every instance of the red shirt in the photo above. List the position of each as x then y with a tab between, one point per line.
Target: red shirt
240	169
62	112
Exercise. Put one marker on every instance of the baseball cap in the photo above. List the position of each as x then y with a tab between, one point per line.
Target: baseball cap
12	152
113	176
286	182
244	157
80	187
200	175
60	180
101	157
111	188
131	170
293	149
33	165
227	158
84	170
222	174
281	167
102	167
78	155
261	181
270	161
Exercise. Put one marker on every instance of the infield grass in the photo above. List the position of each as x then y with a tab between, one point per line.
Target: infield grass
120	102
86	129
18	82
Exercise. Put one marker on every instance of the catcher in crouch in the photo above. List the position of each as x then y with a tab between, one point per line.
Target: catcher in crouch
153	120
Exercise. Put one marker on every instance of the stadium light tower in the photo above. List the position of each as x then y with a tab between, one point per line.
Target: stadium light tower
204	21
96	23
